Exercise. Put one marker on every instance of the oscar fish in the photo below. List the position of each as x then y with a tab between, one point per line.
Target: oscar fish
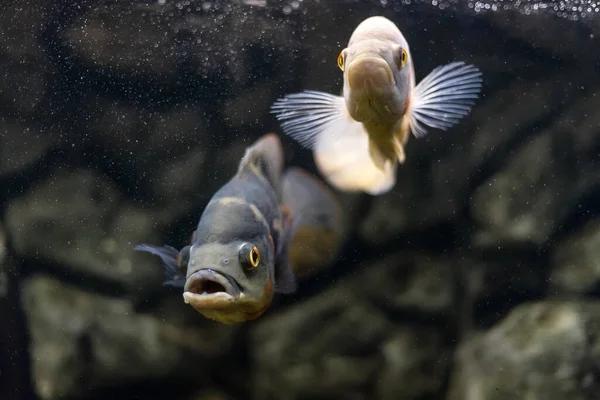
239	255
358	138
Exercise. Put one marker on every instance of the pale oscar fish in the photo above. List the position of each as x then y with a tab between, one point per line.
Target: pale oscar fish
358	138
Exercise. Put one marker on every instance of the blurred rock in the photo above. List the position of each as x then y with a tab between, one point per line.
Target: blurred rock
248	109
177	159
515	204
331	345
226	43
404	282
180	185
326	347
20	145
415	362
15	380
129	131
209	395
137	42
77	220
530	196
3	239
542	31
22	85
81	341
542	351
492	284
576	261
23	67
189	182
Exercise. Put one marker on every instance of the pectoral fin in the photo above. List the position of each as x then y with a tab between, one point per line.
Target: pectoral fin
444	97
320	122
173	274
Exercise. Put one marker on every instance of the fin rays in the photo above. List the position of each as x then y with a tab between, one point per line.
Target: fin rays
319	122
444	97
304	115
172	274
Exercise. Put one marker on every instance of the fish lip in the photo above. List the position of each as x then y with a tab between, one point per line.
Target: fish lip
364	70
195	286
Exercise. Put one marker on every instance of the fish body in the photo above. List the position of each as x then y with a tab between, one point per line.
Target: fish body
239	256
358	138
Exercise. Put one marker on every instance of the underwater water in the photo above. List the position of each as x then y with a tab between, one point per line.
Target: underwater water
477	277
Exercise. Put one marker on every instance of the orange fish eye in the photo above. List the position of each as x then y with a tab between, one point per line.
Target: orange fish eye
254	257
340	61
249	256
403	57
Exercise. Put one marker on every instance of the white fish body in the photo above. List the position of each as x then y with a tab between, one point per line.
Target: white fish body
358	138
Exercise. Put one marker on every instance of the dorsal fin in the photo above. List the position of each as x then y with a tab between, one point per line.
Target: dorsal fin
266	156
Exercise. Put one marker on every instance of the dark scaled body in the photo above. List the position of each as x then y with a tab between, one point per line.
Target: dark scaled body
240	252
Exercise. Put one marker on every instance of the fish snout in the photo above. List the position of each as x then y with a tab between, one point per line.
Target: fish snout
369	73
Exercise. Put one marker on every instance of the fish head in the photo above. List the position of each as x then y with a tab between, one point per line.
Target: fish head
230	282
377	80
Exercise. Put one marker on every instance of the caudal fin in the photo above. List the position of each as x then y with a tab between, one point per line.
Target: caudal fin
265	156
318	225
319	121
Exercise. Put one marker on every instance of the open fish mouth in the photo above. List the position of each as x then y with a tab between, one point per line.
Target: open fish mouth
207	288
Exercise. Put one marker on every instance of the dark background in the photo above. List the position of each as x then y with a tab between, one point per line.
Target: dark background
476	278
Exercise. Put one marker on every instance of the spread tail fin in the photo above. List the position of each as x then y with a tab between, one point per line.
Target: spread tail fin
318	231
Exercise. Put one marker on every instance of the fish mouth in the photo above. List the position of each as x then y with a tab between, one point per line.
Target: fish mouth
207	288
369	73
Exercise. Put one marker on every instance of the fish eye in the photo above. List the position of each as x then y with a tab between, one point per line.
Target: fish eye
249	256
254	257
403	57
340	61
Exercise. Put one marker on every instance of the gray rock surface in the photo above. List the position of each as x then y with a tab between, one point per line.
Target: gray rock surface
545	350
16	155
576	261
119	120
77	219
101	341
15	382
528	199
23	66
351	341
